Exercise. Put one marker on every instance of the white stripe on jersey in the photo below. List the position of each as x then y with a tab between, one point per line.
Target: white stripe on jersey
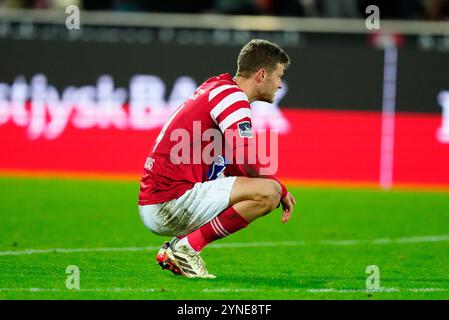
226	102
234	117
213	93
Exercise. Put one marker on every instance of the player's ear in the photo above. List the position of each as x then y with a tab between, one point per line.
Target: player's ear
261	75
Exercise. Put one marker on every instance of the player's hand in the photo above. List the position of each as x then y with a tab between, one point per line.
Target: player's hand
287	207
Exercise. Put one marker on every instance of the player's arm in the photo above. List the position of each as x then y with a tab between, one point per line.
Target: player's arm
240	143
231	111
254	170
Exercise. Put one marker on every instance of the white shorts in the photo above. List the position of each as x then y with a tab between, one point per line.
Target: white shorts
195	207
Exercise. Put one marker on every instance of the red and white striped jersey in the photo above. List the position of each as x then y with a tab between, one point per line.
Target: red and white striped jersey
217	104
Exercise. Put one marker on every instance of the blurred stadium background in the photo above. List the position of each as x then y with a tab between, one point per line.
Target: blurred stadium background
359	108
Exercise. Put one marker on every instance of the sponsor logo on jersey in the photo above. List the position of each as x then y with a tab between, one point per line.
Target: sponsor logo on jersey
217	168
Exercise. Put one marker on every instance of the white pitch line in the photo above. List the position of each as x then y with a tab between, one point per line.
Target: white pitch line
80	290
421	239
71	250
221	290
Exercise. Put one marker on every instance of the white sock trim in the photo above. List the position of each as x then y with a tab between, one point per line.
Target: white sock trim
185	243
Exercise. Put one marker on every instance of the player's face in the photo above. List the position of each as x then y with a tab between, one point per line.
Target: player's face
271	84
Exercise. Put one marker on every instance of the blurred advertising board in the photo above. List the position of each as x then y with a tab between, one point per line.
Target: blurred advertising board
89	106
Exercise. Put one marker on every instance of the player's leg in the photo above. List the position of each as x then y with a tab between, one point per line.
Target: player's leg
219	208
254	197
181	217
250	198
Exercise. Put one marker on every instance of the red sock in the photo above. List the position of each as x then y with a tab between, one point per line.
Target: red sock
226	223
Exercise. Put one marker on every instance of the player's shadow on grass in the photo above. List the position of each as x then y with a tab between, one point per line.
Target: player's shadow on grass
279	281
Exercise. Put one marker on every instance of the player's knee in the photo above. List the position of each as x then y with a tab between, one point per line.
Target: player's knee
269	195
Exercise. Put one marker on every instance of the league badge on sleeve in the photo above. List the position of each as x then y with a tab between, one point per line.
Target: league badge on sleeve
245	129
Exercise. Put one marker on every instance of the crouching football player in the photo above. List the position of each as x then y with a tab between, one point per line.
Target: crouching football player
196	202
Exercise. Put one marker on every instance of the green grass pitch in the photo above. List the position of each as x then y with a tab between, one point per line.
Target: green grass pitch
404	233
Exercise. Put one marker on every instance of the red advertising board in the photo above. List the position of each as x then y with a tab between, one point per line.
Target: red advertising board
320	145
